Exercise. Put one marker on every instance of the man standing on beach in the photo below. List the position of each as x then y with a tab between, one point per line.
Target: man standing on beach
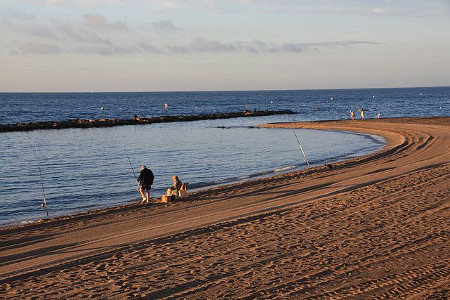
145	181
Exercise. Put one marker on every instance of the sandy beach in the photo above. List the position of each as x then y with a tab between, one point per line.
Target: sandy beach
374	227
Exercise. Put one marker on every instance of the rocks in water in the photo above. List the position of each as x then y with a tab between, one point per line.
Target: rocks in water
136	120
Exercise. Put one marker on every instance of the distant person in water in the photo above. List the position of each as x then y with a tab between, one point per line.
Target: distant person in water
352	114
363	113
145	181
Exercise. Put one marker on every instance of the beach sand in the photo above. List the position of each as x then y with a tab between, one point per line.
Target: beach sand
372	227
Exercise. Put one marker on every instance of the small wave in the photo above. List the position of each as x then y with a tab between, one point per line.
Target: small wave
285	169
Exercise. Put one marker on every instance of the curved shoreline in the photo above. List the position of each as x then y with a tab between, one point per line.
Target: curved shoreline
91	123
370	227
199	191
394	142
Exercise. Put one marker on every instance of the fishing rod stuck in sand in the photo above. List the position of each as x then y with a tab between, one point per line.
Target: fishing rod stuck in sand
44	203
305	159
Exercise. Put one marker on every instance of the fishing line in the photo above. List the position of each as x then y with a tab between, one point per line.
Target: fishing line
305	159
131	166
44	203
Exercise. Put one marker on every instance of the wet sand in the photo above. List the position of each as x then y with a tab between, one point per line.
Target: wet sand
372	227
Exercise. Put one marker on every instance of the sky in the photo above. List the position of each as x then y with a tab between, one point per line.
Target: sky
204	45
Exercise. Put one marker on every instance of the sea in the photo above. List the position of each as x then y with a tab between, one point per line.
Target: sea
78	170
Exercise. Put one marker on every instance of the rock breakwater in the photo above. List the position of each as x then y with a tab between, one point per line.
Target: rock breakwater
136	120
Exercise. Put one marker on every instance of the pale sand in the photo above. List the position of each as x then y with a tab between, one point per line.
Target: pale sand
374	227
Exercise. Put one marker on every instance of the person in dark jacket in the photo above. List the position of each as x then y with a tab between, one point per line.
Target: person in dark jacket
145	181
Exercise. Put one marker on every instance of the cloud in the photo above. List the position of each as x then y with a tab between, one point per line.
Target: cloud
105	51
202	45
44	32
37	48
100	22
78	34
146	47
197	45
163	26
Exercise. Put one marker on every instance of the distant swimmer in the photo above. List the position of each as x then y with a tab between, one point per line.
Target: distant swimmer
331	98
166	106
102	108
271	102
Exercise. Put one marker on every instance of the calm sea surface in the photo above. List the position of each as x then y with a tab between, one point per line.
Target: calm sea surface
85	169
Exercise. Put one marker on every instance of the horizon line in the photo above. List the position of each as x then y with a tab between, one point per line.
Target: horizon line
221	91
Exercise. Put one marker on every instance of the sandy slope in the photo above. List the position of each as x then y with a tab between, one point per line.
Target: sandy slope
376	226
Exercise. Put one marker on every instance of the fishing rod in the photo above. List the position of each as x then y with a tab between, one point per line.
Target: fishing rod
131	166
305	159
44	203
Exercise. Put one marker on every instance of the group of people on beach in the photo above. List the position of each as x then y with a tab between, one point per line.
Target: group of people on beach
145	181
363	114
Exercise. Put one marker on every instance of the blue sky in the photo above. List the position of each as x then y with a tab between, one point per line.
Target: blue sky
173	45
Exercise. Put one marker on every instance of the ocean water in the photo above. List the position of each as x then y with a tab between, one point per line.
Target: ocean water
85	169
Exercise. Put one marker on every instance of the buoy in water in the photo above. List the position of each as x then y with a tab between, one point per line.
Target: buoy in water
102	108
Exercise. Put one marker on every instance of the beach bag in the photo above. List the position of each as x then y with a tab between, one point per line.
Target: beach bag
165	199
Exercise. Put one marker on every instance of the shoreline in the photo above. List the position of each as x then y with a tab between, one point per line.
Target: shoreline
372	226
271	175
136	120
318	125
298	166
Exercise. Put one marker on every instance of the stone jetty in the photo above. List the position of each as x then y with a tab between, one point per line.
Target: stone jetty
136	120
